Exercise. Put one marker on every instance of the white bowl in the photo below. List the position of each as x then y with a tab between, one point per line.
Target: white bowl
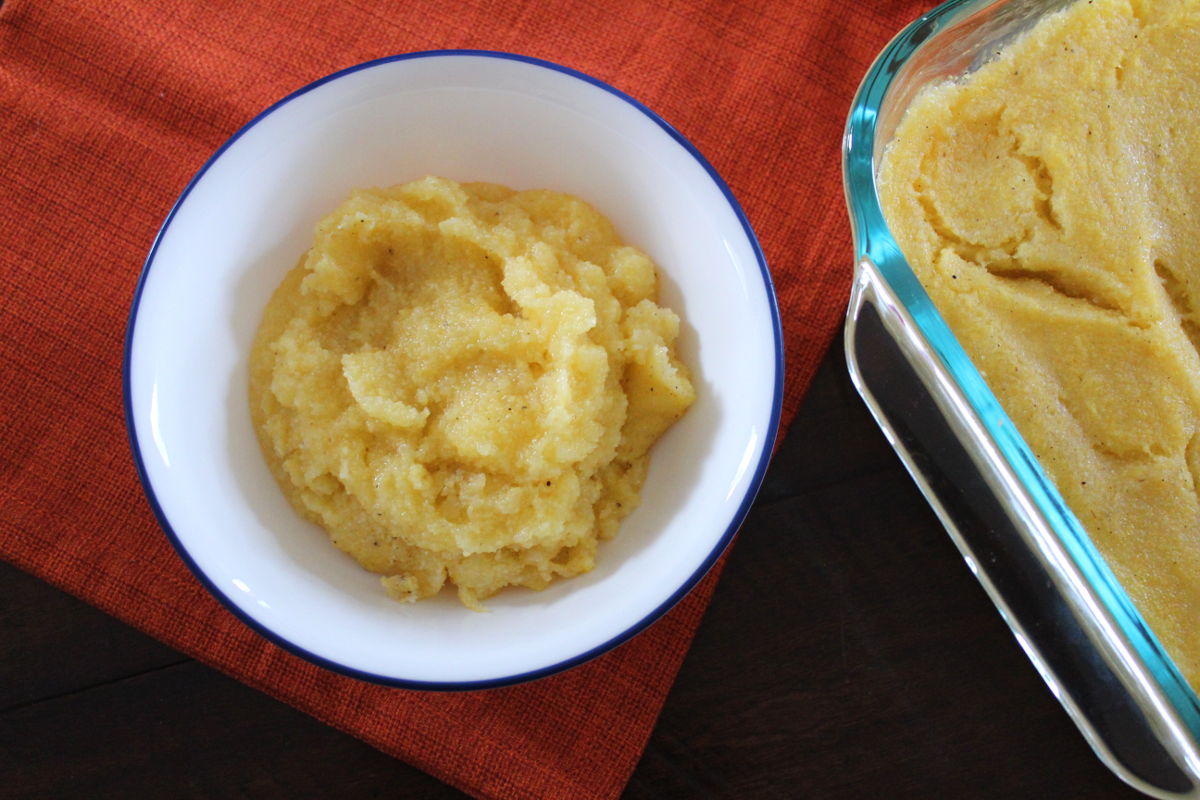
248	215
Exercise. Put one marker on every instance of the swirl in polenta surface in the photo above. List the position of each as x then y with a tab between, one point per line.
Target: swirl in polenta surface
461	383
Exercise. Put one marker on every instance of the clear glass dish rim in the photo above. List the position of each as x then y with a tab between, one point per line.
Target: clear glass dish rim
873	240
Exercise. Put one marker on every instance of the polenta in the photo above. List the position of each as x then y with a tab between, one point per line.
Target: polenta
1050	203
461	383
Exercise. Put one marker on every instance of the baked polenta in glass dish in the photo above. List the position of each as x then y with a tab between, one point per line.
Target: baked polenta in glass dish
1021	179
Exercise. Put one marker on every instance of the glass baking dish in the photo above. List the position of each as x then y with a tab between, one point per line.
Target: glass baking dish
1069	613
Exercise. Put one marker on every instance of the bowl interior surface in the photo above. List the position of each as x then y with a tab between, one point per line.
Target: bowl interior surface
248	217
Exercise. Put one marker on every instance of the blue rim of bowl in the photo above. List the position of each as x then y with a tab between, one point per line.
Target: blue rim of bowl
541	672
873	239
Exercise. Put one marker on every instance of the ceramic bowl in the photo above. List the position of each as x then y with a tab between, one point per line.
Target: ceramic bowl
248	215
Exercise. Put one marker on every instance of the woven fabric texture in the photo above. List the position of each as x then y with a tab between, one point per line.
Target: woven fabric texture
107	111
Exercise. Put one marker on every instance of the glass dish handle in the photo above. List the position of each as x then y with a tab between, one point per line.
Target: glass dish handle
1017	559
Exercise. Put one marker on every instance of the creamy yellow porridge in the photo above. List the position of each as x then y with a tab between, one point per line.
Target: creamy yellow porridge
461	383
1050	203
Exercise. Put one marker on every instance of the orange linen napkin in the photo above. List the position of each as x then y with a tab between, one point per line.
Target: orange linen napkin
107	109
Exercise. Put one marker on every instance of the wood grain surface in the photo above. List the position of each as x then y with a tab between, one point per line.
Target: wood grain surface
848	653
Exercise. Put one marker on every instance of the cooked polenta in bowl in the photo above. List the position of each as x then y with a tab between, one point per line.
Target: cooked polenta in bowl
457	384
461	383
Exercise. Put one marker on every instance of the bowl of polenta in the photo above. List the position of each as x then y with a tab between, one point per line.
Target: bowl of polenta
453	369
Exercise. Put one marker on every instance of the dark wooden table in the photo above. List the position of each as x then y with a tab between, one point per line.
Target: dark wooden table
848	652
